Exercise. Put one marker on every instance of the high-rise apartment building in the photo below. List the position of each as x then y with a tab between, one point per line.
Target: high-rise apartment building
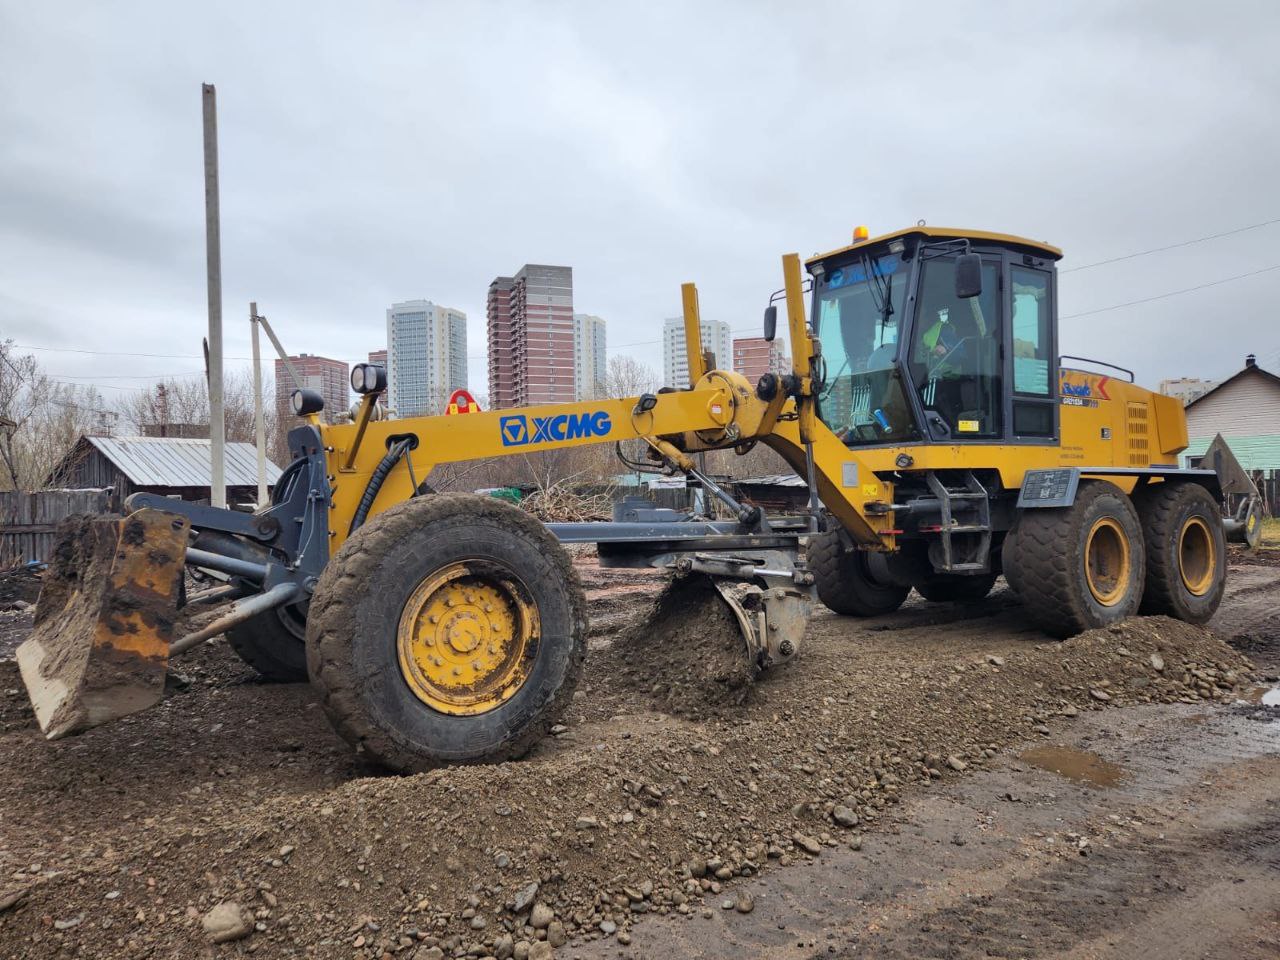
531	337
716	337
753	357
1187	389
502	384
329	378
589	362
379	358
426	356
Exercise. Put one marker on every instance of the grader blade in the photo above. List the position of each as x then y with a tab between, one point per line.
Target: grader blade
104	620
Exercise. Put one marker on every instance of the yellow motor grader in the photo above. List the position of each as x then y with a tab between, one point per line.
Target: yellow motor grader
943	439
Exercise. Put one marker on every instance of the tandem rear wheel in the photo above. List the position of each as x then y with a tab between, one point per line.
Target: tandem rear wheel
1078	567
449	629
1186	550
1107	557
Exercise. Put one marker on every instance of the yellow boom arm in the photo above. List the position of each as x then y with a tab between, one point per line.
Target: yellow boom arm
720	410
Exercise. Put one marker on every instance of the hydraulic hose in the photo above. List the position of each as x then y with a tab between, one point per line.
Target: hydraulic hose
376	479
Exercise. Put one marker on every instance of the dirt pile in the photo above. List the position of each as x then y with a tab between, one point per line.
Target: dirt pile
685	652
629	810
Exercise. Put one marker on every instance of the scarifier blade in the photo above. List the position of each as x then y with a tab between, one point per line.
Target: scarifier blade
104	621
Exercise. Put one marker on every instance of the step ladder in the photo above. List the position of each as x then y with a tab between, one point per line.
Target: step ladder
970	499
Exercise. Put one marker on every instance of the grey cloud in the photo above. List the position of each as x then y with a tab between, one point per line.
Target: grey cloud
402	150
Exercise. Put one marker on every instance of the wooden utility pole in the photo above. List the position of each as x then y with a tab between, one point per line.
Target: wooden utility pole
259	426
213	263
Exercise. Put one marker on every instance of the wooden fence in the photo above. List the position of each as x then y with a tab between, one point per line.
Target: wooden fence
1269	487
28	521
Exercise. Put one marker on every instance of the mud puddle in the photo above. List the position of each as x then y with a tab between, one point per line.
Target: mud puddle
1079	766
1264	696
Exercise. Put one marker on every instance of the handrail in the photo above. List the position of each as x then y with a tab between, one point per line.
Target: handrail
1101	363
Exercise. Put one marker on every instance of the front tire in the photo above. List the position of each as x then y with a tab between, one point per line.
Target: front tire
1078	567
274	644
1186	551
844	582
449	629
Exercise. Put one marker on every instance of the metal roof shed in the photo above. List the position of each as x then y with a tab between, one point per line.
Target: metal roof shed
170	466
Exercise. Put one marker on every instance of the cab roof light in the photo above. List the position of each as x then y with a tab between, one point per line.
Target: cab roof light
860	233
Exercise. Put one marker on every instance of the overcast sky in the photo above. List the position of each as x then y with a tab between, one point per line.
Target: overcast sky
418	150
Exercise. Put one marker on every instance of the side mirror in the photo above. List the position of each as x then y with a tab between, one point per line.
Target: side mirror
968	276
770	322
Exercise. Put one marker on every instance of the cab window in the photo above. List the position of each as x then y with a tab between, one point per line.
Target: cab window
954	360
1031	329
1031	345
858	310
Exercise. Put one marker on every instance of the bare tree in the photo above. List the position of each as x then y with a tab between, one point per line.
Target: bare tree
628	377
41	419
180	407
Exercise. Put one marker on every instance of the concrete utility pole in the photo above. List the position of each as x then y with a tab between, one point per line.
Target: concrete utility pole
213	262
259	426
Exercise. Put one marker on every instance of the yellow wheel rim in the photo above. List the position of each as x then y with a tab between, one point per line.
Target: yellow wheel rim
1197	557
1106	561
466	638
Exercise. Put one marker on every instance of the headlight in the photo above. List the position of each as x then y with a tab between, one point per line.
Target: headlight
305	402
368	378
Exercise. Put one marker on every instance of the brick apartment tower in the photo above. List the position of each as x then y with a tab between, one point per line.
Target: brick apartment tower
501	348
329	378
531	337
753	357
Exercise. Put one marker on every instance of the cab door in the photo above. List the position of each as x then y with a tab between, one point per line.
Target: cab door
1032	351
955	359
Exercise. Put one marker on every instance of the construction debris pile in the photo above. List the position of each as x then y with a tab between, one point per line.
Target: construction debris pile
561	502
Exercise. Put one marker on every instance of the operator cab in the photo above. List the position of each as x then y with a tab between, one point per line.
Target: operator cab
936	335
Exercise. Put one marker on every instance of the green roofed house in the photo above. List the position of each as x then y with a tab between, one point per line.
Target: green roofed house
1245	409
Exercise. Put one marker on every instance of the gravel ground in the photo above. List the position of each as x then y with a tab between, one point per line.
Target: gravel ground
232	811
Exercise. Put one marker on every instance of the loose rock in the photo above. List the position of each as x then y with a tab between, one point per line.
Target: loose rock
226	922
541	916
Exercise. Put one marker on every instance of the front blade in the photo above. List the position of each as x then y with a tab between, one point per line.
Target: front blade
104	620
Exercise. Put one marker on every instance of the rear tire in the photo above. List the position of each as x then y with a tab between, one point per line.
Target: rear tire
274	644
1079	567
449	629
1186	551
844	582
956	589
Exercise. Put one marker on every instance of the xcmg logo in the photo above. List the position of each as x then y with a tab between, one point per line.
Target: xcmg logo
565	426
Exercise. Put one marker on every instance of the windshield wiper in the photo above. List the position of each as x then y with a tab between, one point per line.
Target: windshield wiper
882	289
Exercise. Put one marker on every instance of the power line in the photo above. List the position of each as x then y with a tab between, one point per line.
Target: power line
127	376
115	353
1172	246
1172	293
